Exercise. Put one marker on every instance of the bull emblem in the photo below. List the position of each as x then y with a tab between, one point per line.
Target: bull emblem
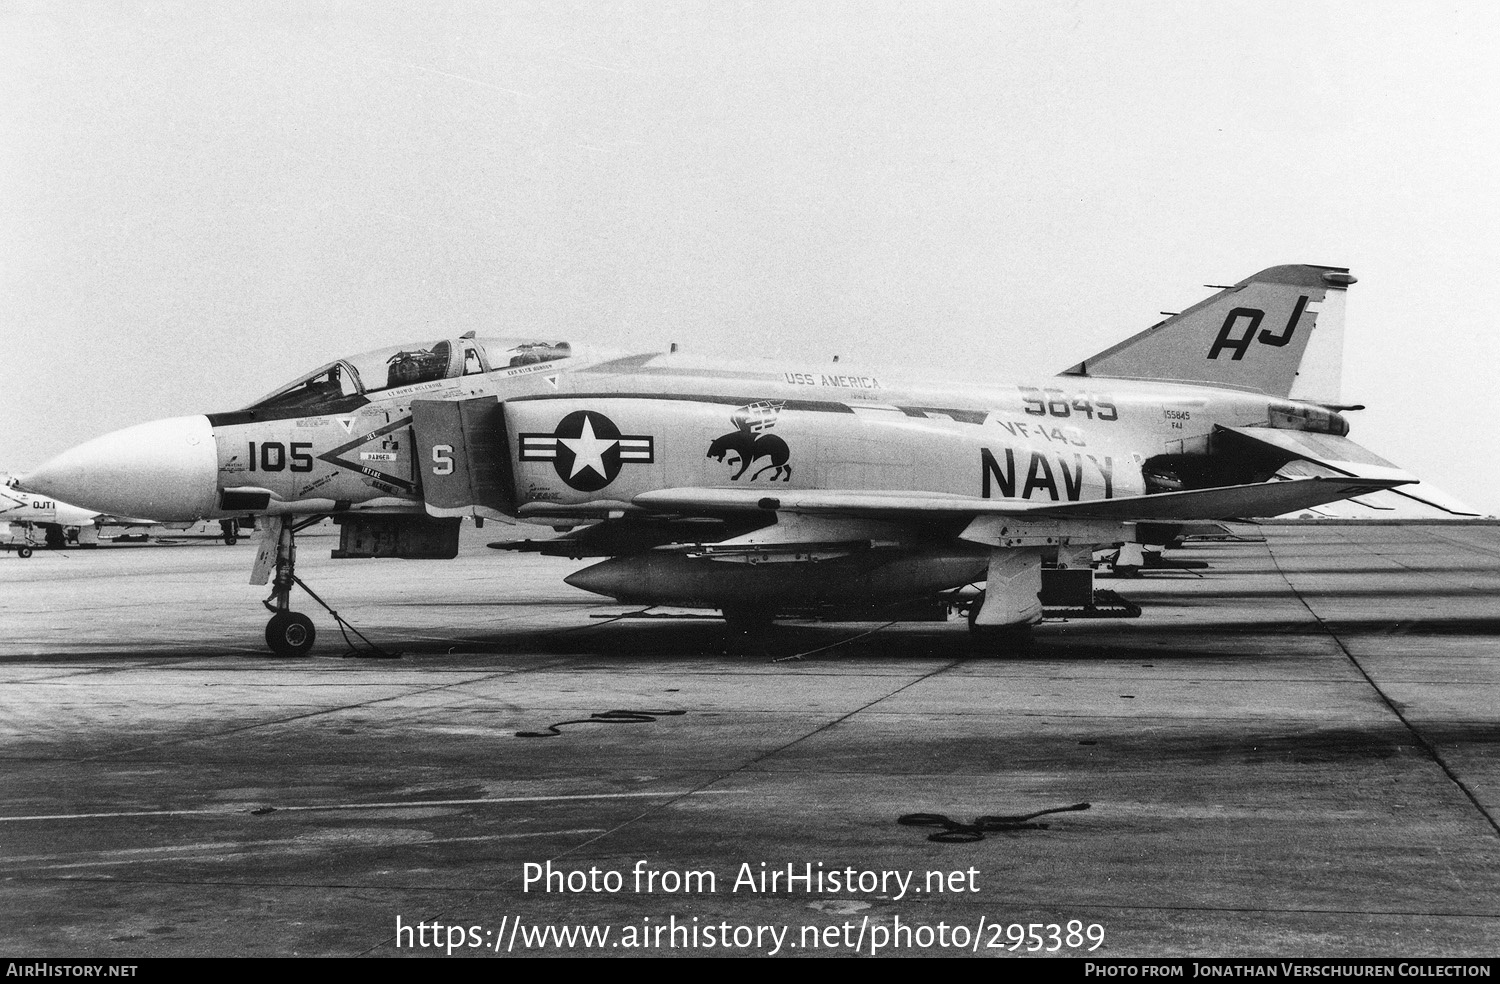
750	442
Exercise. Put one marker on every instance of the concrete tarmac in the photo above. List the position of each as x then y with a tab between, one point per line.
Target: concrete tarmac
1294	752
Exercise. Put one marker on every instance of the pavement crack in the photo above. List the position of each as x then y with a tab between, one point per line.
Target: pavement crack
1391	705
671	801
406	695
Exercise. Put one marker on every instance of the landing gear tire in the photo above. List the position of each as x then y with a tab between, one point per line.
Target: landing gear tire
55	538
230	530
290	634
24	552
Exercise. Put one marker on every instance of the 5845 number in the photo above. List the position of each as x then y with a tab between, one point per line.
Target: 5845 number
1053	402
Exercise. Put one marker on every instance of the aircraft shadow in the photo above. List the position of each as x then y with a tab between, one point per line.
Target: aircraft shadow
1084	640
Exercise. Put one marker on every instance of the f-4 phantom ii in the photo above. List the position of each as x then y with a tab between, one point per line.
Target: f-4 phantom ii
775	490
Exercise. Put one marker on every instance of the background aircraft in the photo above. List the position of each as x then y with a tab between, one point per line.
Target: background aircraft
773	490
58	523
61	523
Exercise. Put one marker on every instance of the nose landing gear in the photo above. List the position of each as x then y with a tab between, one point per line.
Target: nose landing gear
288	633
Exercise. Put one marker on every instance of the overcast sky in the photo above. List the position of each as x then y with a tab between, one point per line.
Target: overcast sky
201	201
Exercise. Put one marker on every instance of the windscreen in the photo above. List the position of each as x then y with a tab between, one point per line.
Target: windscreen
331	387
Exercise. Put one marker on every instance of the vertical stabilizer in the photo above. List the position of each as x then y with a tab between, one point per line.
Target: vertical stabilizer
1280	332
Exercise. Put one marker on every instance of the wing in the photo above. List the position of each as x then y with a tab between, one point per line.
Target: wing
1228	502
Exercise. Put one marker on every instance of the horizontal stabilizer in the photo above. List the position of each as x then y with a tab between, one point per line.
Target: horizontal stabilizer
1419	503
1339	453
1301	455
1260	499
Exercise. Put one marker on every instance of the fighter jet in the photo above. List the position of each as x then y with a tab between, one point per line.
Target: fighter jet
58	522
62	523
773	490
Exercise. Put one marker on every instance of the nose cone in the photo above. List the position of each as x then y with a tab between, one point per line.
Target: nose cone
166	470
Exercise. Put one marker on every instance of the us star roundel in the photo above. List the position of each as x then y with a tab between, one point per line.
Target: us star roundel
588	450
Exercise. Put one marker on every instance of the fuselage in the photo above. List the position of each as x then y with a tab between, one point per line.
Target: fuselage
584	426
23	507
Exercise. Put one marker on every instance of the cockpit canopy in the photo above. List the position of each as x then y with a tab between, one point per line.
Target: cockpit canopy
347	383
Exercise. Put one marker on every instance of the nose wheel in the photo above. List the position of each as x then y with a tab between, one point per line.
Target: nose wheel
290	634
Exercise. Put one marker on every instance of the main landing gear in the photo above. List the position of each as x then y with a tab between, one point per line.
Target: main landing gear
288	633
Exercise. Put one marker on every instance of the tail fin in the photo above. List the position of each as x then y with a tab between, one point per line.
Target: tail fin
1279	332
